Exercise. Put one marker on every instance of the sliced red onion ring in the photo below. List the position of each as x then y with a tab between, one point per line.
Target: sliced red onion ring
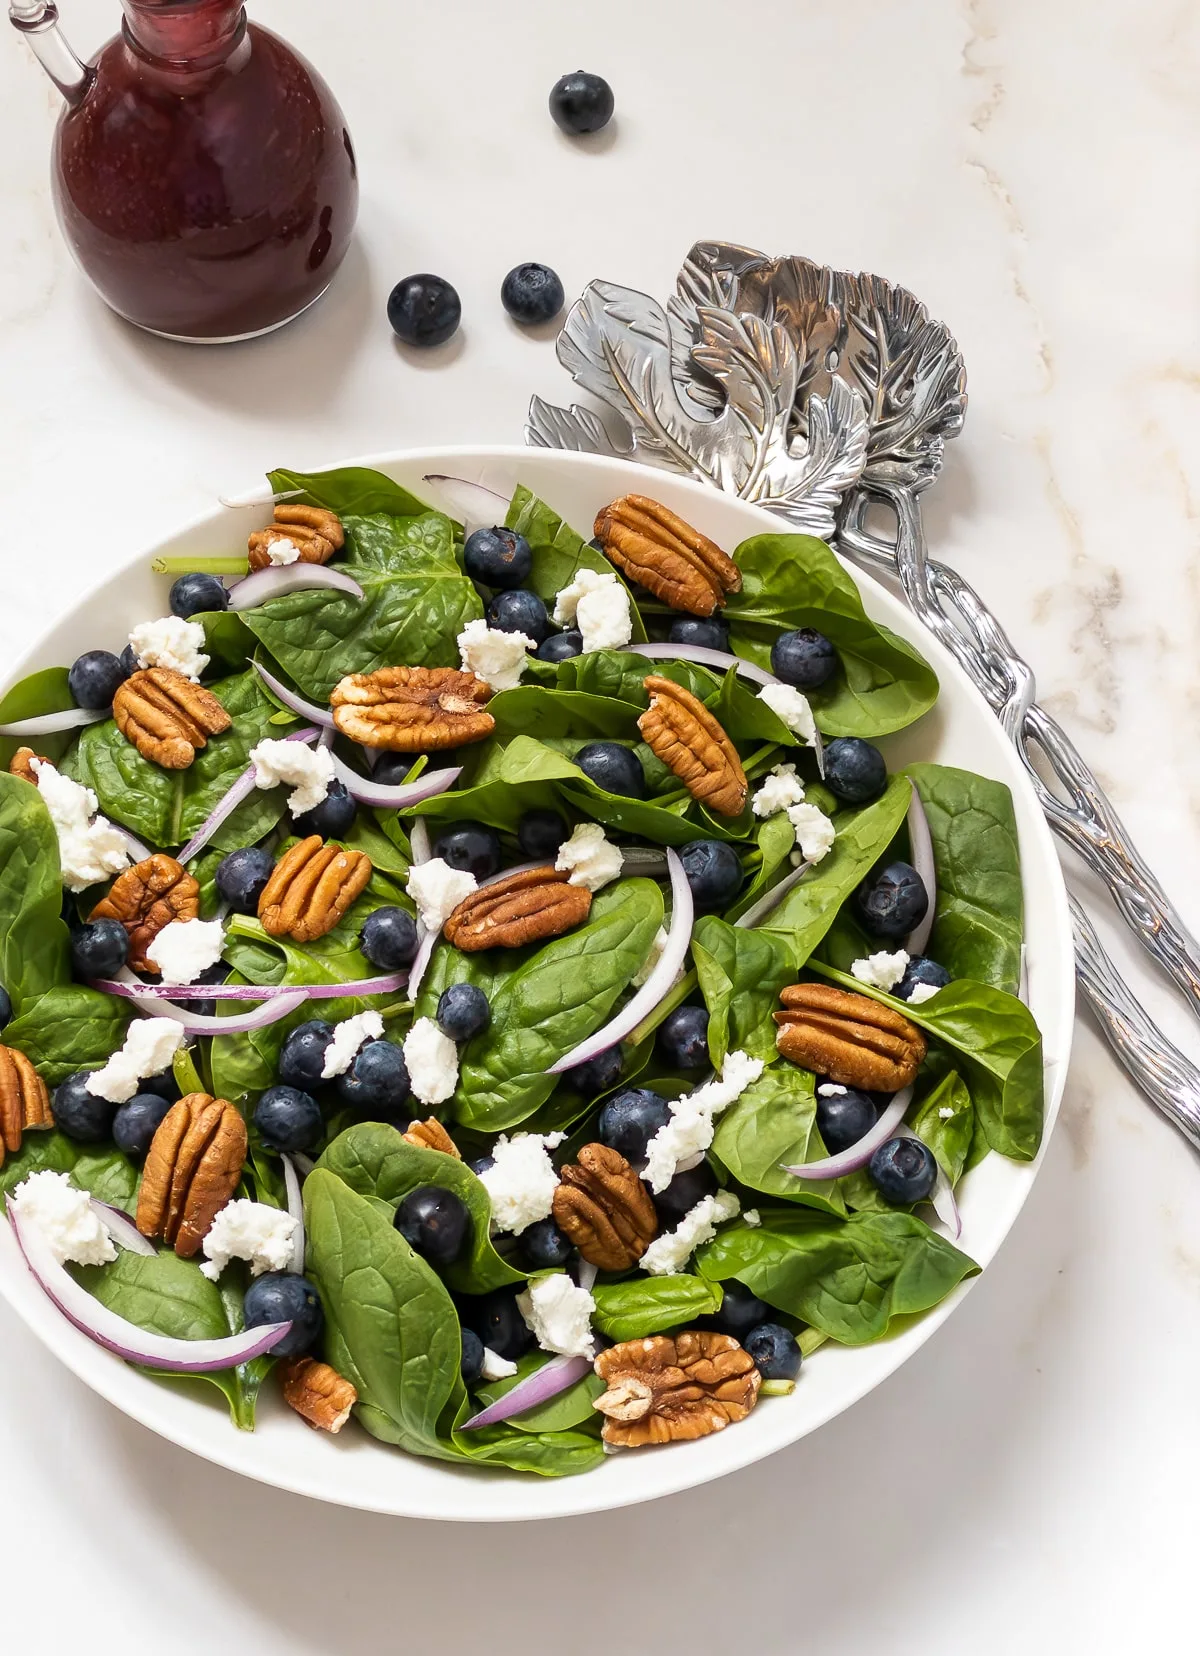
587	1274
703	657
399	794
137	850
229	802
921	841
150	994
477	506
294	702
135	1344
643	859
418	840
124	1232
268	1013
770	900
656	985
858	1155
295	1205
47	724
539	1387
266	584
941	1197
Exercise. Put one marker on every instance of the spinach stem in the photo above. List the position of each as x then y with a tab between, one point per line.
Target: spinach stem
200	566
669	1002
245	925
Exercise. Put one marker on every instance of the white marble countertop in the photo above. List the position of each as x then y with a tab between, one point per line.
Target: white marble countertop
1028	1480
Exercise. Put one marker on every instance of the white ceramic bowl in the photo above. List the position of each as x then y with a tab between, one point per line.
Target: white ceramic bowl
355	1470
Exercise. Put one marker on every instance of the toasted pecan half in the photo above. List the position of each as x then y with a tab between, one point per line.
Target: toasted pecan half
661	552
311	888
523	908
316	533
674	1389
147	897
691	742
192	1169
412	709
24	1100
167	717
855	1041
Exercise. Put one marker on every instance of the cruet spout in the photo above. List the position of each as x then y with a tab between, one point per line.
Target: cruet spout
37	20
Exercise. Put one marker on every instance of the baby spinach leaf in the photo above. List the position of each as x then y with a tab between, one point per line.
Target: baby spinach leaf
34	943
741	972
649	1305
69	1028
558	552
945	1121
550	1454
530	709
350	491
774	1123
228	641
100	1170
570	1408
388	849
776	839
46	691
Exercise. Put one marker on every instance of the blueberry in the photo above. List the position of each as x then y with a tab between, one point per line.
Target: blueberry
541	832
424	310
216	973
481	1164
740	1311
683	1038
470	847
435	1223
377	1080
499	1324
843	1118
6	1008
498	558
775	1351
921	969
389	938
616	769
711	635
303	1056
519	611
581	102
560	646
164	1085
129	661
463	1012
285	1296
80	1114
544	1247
598	1074
683	1192
903	1170
804	658
99	949
392	768
713	872
137	1121
532	293
471	1366
242	878
198	594
630	1119
891	903
95	678
289	1119
854	770
333	818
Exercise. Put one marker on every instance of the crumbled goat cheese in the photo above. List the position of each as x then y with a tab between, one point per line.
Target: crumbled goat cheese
814	832
307	771
437	890
752	1217
559	1315
497	657
171	642
348	1037
657	944
66	1219
786	702
779	790
922	992
882	970
262	1235
830	1089
282	552
150	1045
671	1251
496	1367
521	1180
431	1060
598	604
592	859
689	1131
945	1113
89	847
185	948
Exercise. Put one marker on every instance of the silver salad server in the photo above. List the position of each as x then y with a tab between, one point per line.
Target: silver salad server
818	394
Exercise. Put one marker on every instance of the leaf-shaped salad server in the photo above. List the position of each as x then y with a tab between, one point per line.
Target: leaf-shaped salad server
818	393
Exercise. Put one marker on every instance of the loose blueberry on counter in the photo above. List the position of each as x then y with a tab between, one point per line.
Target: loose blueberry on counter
544	1247
581	102
137	1121
713	872
843	1118
289	1119
710	635
129	661
532	293
6	1008
216	973
435	1223
471	1366
377	1080
630	1119
163	1085
541	832
683	1192
804	658
616	769
597	1074
389	938
99	948
903	1170
95	678
470	847
79	1114
498	1323
481	1164
333	818
891	903
855	770
683	1038
560	646
424	310
740	1311
463	1012
285	1296
775	1351
198	594
519	611
498	558
242	878
921	969
303	1056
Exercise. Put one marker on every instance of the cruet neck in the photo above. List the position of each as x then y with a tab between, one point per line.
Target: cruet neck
184	35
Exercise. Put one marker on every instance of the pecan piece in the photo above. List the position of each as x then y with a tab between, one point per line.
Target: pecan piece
431	1135
312	887
317	534
850	1038
317	1392
167	717
672	1390
21	764
683	733
147	897
667	556
605	1209
192	1170
412	709
24	1100
523	908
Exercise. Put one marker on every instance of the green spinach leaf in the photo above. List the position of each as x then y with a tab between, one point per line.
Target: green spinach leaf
649	1305
34	942
69	1028
571	1408
46	691
350	491
741	972
774	1123
558	552
102	1171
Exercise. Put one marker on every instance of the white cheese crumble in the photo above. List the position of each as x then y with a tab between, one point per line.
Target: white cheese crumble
437	890
689	1131
497	657
752	1217
431	1060
171	642
592	859
496	1367
945	1113
185	948
598	604
65	1218
348	1037
521	1180
282	552
882	970
786	702
815	833
262	1235
89	847
150	1045
559	1315
671	1251
922	992
830	1089
779	790
307	771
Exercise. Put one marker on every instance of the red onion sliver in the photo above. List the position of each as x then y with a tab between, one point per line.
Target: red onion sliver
266	584
295	1206
858	1155
703	657
268	1013
420	965
921	842
539	1387
397	795
124	1232
294	702
225	807
418	839
48	724
587	1274
476	505
770	900
150	993
137	850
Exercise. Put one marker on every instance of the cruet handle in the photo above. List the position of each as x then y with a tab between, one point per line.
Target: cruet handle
37	20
